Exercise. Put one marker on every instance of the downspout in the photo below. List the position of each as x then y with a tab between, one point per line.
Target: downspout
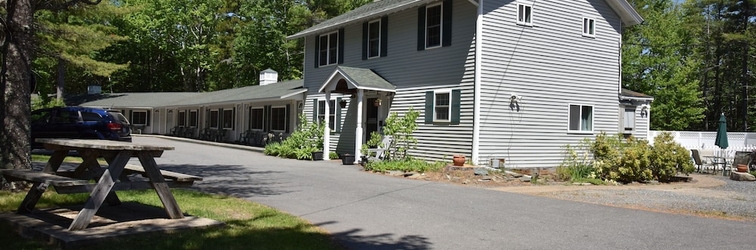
477	87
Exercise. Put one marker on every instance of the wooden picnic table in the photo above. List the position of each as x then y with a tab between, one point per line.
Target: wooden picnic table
108	179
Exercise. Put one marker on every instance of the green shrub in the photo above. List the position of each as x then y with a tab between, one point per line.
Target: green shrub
575	165
306	139
333	155
401	129
668	158
405	165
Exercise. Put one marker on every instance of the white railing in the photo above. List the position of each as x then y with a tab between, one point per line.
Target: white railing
737	141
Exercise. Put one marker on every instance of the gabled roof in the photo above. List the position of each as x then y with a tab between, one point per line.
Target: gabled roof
275	91
359	78
373	10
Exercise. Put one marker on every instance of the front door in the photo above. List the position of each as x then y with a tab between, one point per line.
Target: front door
371	118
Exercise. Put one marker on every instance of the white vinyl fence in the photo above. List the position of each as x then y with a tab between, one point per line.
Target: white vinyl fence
738	141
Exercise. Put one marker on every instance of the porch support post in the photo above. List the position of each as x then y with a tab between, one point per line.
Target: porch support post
327	129
358	130
381	96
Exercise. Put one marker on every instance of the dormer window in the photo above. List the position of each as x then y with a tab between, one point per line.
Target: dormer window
434	25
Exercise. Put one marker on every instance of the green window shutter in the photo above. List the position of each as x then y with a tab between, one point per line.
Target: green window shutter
265	118
421	28
455	106
429	95
233	119
364	40
148	117
447	22
337	118
314	110
317	51
384	36
288	115
341	46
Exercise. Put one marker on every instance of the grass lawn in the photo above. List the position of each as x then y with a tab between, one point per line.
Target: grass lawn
248	225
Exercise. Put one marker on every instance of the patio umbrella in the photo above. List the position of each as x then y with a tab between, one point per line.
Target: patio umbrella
721	140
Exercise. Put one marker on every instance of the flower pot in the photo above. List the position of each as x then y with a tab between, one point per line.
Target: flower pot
347	159
458	160
317	156
742	168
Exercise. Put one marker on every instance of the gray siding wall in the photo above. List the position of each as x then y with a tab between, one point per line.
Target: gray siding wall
412	72
550	65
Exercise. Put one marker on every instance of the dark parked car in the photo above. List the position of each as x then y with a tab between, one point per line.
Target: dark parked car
79	123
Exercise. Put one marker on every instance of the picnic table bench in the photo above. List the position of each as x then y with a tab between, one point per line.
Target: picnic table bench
100	182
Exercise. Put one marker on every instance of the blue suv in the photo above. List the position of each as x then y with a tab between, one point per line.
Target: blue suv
79	123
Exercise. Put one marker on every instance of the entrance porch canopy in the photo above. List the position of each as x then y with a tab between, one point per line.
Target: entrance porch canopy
349	80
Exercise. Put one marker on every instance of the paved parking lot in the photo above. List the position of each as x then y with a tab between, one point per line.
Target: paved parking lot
368	211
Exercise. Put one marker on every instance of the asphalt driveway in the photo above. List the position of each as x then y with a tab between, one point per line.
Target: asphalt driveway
369	211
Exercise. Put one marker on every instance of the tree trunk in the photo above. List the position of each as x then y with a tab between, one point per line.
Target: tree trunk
17	51
61	79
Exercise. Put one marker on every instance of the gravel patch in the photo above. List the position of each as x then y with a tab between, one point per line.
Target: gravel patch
733	200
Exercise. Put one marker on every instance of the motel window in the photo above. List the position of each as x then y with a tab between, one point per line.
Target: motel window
580	118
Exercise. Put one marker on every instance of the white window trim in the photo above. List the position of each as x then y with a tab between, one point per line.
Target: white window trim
449	107
591	22
262	116
189	118
380	26
580	116
178	119
133	114
210	118
440	30
328	50
331	114
224	119
532	14
286	123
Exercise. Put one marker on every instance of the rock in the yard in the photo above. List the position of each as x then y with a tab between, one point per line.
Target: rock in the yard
525	179
481	171
396	173
736	176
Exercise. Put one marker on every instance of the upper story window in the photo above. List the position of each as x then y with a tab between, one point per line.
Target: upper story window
581	118
329	45
433	17
589	27
525	14
434	23
329	48
374	39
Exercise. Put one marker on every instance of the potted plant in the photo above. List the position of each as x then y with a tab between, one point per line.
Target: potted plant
347	159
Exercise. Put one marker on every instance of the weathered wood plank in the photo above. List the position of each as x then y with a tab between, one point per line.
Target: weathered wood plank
40	177
98	144
31	199
158	182
53	164
165	173
119	186
101	190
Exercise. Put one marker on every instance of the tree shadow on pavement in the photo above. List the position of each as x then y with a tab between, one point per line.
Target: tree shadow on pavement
352	239
233	180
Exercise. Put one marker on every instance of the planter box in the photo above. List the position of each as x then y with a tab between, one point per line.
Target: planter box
317	156
347	159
